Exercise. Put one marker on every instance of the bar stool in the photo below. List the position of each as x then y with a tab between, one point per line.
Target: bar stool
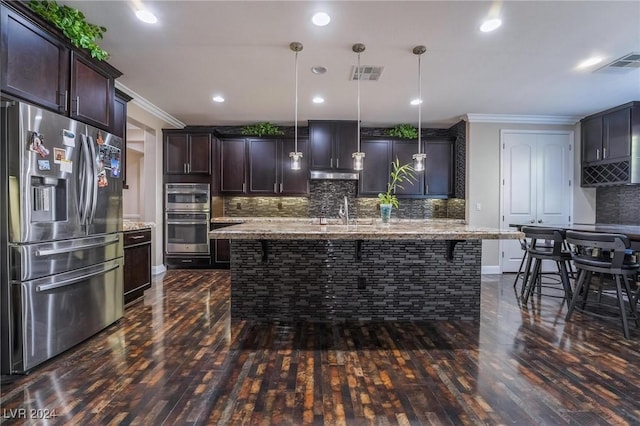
604	254
546	244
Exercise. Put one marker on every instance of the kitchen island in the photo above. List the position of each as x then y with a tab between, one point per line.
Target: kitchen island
300	270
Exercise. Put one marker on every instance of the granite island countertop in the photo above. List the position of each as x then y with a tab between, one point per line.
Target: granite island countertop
130	225
365	229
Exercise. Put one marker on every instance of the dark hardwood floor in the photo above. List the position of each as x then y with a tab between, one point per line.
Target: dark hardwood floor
177	358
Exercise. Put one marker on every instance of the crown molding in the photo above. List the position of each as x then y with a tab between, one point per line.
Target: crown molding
149	107
521	119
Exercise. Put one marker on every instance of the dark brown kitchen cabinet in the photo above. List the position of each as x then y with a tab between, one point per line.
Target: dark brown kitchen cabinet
607	145
137	264
91	92
331	143
39	65
263	166
221	250
293	182
232	166
439	169
188	153
375	174
435	182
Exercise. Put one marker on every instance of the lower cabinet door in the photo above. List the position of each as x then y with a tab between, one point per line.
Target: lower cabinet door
137	271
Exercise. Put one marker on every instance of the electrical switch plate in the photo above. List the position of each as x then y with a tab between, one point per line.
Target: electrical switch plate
478	206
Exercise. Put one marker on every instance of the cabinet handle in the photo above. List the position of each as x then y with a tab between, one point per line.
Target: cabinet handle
604	153
280	187
598	154
243	186
331	162
337	163
427	189
184	168
539	220
137	237
77	102
63	106
532	221
189	167
275	188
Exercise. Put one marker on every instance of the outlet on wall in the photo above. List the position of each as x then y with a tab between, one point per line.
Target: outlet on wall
238	206
279	206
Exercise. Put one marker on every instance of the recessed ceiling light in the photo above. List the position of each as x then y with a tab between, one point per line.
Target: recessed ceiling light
416	102
218	99
318	100
146	16
590	62
490	25
318	69
321	19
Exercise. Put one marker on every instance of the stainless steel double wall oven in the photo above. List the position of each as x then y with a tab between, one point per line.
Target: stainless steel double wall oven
187	214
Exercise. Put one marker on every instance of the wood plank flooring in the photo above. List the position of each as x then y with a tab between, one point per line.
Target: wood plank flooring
177	359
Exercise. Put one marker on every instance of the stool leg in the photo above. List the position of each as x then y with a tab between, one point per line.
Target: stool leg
524	257
564	276
623	310
534	279
586	288
525	280
581	277
634	309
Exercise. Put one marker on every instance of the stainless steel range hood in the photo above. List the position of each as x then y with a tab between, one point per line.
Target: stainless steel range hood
334	175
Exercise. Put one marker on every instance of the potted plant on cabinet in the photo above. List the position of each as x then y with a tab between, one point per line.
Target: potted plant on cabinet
399	174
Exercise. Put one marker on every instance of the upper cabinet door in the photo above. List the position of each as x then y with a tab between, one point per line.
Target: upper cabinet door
92	92
176	153
199	154
263	171
377	166
592	139
403	150
321	135
346	143
232	161
439	173
294	182
35	65
617	135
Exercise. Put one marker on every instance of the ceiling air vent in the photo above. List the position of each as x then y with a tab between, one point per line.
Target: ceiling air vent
627	63
367	72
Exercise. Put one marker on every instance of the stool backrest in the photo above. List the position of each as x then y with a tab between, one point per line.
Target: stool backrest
604	245
536	233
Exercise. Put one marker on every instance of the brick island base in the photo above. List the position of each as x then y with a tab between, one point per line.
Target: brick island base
335	280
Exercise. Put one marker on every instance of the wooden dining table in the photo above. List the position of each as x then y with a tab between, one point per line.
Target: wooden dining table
631	231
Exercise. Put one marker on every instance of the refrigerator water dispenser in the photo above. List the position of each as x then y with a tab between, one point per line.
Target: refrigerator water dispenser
49	199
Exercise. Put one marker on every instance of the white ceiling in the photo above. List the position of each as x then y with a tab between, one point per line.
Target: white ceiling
240	49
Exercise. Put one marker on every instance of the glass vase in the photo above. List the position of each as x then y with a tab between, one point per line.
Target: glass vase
385	213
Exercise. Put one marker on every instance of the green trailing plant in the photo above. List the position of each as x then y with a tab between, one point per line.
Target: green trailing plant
73	25
262	129
404	131
399	174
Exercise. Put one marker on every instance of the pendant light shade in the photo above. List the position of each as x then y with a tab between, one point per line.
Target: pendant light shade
358	156
419	158
296	156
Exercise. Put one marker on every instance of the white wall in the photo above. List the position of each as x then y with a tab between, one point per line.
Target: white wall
131	206
151	178
483	182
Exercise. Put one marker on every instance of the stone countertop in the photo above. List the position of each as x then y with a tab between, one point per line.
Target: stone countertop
425	229
128	225
316	220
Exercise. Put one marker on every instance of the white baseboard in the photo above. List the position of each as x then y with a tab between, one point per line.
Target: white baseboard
158	269
491	270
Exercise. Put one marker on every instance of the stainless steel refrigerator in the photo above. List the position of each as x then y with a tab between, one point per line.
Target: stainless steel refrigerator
61	238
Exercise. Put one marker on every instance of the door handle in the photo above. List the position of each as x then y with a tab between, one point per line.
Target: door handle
539	220
532	221
70	249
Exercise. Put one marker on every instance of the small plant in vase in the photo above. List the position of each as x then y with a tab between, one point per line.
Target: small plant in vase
399	174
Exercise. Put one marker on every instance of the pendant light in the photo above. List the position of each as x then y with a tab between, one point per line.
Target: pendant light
419	158
295	155
358	156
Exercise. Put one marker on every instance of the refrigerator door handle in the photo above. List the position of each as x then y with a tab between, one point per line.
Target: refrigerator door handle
93	178
83	196
70	281
70	249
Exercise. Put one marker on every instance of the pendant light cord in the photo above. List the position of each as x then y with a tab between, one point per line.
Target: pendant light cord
359	101
419	102
296	112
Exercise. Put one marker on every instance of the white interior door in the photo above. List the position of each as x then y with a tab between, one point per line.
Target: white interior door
536	188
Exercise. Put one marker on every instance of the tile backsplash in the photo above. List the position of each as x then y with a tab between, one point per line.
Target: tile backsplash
618	204
326	197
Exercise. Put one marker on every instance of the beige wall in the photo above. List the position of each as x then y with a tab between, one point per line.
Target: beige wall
483	182
150	184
